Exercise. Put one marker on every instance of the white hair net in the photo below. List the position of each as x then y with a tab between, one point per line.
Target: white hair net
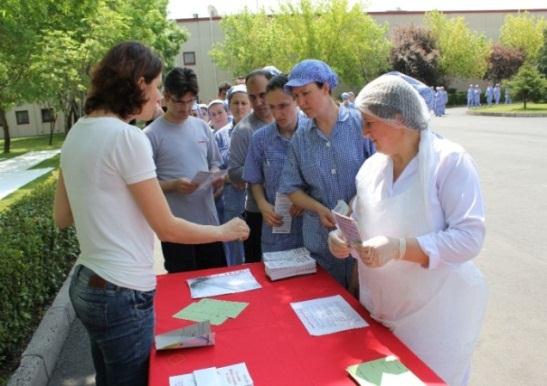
392	98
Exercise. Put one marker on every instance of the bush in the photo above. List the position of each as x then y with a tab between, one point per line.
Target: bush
457	98
35	258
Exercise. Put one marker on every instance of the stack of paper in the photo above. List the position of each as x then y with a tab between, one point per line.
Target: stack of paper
387	371
196	335
212	310
234	375
288	263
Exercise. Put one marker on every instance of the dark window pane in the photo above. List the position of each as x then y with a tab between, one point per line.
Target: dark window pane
22	117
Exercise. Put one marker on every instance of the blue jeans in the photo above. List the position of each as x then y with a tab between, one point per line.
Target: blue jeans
120	325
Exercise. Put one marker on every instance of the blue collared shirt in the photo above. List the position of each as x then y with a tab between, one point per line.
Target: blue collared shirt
264	165
325	169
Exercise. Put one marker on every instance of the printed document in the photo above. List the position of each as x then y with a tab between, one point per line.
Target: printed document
327	315
282	207
222	283
233	375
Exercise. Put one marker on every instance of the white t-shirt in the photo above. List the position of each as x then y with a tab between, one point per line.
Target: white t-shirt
99	159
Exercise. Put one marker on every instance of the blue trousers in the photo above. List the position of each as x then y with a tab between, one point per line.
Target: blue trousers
120	325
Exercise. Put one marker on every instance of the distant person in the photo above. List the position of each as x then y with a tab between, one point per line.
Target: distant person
182	146
108	188
264	164
261	115
223	90
477	95
489	94
218	114
497	93
231	203
323	160
470	98
507	96
204	112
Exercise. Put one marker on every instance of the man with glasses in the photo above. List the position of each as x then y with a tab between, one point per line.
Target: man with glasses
182	146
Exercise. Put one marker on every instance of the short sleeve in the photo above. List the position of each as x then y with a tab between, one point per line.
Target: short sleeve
132	156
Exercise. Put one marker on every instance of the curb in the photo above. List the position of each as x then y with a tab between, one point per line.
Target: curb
40	357
515	115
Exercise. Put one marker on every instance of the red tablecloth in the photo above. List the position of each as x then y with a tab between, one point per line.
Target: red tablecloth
269	337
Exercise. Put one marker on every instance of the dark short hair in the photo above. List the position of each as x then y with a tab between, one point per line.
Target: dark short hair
277	82
224	86
114	80
259	72
180	81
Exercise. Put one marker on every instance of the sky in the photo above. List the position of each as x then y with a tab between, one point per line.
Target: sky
179	9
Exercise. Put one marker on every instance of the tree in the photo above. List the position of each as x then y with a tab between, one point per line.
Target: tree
345	37
528	84
503	63
415	53
463	53
542	59
525	32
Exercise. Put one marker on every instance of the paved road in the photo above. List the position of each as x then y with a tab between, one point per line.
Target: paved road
511	154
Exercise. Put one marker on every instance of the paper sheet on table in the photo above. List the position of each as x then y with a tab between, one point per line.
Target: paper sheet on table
388	371
282	207
196	335
327	315
213	310
206	178
222	283
233	375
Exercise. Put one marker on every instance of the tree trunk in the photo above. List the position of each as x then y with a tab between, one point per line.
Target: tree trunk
4	124
525	100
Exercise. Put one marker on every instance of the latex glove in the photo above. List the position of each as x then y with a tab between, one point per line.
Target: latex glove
377	251
338	245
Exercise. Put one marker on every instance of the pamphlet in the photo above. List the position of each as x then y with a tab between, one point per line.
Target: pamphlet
206	178
282	207
388	371
196	335
222	283
233	375
213	310
293	262
328	315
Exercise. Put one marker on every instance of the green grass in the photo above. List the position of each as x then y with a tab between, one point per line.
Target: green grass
25	144
531	108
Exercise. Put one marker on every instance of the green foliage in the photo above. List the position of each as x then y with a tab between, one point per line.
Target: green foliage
415	53
34	260
345	37
463	52
542	59
524	32
528	84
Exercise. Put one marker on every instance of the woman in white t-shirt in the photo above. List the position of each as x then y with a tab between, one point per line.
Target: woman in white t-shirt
421	217
108	188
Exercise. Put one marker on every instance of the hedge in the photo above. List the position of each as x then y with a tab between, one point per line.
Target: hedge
35	258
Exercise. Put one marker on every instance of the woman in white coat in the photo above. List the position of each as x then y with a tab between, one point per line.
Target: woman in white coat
420	212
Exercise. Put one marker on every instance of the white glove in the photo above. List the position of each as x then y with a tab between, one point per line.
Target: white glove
377	251
338	245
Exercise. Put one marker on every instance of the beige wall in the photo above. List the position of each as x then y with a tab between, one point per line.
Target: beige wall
35	125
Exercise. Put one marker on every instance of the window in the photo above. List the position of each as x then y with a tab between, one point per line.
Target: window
22	117
47	115
189	58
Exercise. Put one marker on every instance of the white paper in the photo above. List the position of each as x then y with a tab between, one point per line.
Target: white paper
327	315
233	375
222	283
205	179
195	335
282	207
348	226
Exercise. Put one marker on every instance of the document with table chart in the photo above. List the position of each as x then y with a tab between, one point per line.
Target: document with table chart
327	315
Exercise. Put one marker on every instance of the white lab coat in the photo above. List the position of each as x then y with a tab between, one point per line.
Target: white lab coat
436	312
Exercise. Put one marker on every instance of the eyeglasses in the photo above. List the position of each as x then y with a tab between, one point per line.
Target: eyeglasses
188	102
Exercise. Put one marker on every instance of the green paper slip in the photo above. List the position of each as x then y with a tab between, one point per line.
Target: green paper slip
215	311
388	371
